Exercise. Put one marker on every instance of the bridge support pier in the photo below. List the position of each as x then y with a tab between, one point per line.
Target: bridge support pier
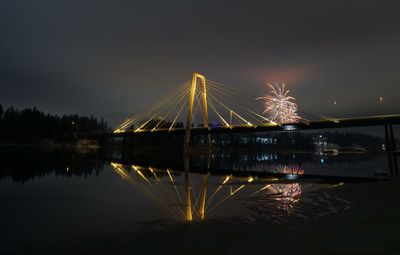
390	147
392	138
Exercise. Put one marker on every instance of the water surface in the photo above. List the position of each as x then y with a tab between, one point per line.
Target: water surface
121	202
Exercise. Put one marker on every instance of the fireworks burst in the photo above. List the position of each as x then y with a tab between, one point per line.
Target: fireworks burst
289	169
280	107
286	194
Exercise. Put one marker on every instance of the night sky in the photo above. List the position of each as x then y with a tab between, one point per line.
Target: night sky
113	58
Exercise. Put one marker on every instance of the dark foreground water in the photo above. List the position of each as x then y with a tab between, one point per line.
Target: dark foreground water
83	202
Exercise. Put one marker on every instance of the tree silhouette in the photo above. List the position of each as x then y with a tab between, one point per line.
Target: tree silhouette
32	126
1	111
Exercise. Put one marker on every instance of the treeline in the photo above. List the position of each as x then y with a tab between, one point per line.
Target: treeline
25	164
255	141
33	126
351	138
295	140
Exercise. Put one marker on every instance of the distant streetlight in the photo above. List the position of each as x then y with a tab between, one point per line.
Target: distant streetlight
335	108
73	122
380	105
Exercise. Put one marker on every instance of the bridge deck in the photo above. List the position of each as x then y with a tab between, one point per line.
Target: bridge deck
267	127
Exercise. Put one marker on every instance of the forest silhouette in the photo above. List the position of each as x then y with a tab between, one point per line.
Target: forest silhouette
31	126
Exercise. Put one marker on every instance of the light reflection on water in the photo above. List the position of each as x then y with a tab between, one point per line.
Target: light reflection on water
97	193
274	191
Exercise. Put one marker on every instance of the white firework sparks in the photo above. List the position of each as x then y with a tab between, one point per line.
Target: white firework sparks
280	107
286	194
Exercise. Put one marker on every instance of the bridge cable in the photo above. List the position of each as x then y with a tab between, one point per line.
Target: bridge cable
161	109
218	114
154	107
234	101
173	107
234	112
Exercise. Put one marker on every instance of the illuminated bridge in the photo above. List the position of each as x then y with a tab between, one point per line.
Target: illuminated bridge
312	125
207	107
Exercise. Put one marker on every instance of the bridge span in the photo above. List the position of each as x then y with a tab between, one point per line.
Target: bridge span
380	120
224	105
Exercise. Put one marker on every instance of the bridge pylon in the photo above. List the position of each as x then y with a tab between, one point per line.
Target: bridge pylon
195	78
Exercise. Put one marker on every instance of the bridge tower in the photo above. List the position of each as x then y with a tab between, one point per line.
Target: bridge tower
195	79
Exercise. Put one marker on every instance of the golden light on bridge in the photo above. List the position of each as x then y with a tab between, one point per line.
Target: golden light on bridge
219	105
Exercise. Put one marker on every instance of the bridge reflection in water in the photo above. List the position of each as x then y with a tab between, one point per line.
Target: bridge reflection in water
274	193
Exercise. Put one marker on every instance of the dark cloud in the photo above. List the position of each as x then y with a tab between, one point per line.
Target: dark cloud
112	58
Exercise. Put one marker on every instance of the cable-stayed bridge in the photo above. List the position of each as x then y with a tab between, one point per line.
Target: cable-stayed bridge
201	107
204	107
